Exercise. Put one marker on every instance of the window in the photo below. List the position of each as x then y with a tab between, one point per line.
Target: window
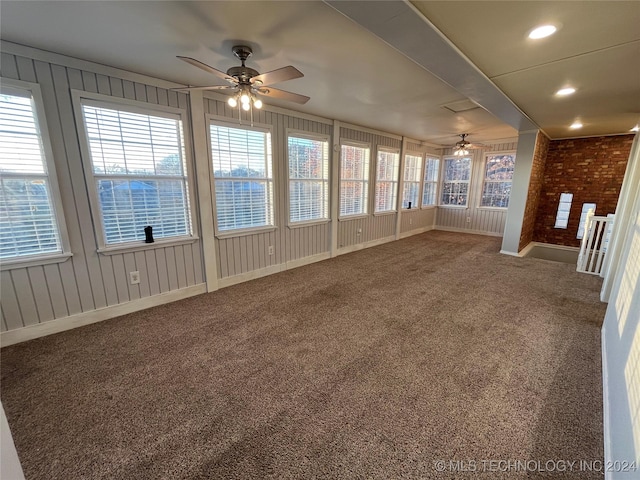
498	175
564	208
31	219
243	177
354	180
455	182
308	178
412	175
387	168
139	172
430	189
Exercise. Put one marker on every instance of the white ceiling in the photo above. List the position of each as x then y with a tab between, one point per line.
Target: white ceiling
352	74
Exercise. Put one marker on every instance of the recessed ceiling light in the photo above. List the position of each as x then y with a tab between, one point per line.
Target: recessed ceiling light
565	91
575	125
542	31
635	129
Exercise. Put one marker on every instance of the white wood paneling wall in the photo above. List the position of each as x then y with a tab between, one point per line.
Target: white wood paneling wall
88	280
483	220
248	252
91	287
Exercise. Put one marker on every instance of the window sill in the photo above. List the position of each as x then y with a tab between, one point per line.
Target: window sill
496	209
353	217
244	232
428	207
35	261
382	214
295	225
137	247
454	207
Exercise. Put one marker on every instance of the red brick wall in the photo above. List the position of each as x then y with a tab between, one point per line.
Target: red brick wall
535	187
590	168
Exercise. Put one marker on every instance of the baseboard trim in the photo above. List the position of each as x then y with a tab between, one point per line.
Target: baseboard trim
521	253
554	246
263	272
416	231
362	246
464	230
58	325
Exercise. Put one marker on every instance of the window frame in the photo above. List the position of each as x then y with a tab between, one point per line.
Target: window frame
420	182
366	213
33	91
442	181
320	137
79	98
396	182
484	179
229	123
428	156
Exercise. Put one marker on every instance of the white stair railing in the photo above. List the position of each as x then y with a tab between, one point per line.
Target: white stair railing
595	241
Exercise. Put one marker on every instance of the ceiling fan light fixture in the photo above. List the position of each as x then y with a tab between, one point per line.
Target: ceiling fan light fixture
233	103
245	99
257	103
246	107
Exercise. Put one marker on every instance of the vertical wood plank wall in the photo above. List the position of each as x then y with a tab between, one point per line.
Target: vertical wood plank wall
90	281
372	227
87	281
248	252
483	220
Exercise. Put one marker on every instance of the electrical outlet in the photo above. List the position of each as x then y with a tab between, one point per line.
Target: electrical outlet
468	219
359	231
411	221
134	277
270	249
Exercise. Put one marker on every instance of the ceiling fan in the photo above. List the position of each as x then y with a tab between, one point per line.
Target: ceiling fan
247	83
462	146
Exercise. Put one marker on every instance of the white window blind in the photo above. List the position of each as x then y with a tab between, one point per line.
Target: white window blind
387	168
498	176
138	164
455	181
354	180
242	167
412	178
430	189
308	179
28	224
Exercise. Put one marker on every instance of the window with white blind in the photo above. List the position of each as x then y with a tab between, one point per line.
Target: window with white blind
138	171
31	219
498	175
430	188
308	178
243	177
412	179
354	179
455	181
387	166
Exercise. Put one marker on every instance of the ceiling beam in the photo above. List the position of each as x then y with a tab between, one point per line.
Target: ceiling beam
403	27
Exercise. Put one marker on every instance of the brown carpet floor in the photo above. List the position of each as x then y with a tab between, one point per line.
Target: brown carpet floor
373	365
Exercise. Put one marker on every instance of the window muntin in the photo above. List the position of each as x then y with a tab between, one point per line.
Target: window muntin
243	177
139	172
30	221
387	170
498	176
430	188
354	180
412	177
308	178
455	181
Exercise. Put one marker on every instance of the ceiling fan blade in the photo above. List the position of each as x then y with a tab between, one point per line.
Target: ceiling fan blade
207	68
212	87
276	76
283	95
